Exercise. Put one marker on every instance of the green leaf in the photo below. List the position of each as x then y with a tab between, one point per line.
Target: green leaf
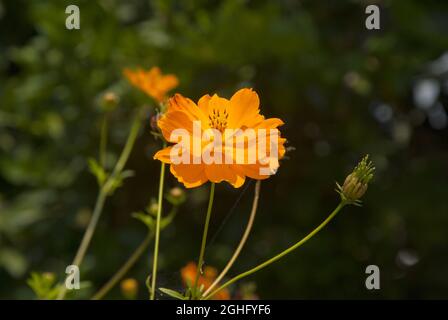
97	170
166	221
148	283
118	180
13	261
173	294
44	286
145	218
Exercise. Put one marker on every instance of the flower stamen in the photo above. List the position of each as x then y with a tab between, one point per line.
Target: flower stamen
218	120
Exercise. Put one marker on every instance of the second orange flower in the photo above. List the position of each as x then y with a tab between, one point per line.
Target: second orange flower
152	82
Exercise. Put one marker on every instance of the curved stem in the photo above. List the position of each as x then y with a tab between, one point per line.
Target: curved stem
104	191
204	234
280	255
242	241
124	268
129	145
157	232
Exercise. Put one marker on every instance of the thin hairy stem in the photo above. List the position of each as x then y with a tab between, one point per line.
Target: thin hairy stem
280	255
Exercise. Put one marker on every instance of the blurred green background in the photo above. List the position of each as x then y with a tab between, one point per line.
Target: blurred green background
343	91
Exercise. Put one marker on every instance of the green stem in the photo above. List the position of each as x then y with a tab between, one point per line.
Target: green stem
280	255
128	146
124	268
102	195
157	232
242	241
103	141
204	235
87	236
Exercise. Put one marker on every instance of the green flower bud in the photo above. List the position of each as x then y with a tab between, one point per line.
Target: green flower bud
356	183
153	207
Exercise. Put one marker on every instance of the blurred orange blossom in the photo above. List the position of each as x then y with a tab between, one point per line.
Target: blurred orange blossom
152	82
188	274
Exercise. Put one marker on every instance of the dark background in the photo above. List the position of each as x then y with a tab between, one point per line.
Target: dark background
343	91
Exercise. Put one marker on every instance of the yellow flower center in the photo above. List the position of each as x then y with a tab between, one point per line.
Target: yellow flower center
218	119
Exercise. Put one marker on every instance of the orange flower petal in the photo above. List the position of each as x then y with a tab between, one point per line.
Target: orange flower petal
217	104
224	172
180	103
244	109
251	171
190	175
270	123
164	155
203	103
169	82
175	120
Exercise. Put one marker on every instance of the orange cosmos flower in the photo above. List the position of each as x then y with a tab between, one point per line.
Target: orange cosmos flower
152	82
231	162
188	274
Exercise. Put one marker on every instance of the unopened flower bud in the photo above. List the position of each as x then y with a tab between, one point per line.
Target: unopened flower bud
129	288
110	101
153	207
176	196
356	183
176	192
353	188
49	277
